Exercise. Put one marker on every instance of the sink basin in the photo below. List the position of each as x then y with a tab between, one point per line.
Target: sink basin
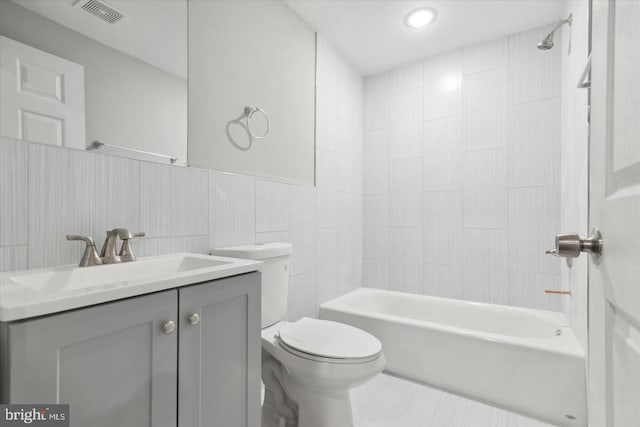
71	278
49	290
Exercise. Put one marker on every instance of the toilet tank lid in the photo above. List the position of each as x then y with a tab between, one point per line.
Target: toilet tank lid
262	251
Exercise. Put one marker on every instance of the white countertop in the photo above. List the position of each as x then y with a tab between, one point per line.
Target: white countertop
38	292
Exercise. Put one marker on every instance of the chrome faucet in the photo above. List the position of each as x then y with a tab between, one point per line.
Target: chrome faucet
90	256
108	252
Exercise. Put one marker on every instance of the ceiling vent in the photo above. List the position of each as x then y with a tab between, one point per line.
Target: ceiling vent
101	9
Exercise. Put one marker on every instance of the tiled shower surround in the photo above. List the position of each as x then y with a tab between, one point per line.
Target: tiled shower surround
48	192
461	174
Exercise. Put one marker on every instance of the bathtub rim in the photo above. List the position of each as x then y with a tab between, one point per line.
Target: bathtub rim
566	343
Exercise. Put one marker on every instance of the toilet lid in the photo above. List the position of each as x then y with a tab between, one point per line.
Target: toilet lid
329	339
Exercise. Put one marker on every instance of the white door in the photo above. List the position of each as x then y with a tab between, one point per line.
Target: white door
42	96
614	284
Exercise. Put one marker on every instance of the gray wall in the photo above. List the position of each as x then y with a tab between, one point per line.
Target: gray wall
251	53
128	102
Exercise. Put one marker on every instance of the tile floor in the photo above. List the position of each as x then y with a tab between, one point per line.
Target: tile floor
388	401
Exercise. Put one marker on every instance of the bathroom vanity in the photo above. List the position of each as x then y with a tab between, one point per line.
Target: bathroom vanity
176	342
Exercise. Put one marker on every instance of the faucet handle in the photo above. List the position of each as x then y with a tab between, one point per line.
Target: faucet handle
87	239
90	256
126	252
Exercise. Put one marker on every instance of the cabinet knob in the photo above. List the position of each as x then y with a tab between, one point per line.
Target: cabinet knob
194	319
169	327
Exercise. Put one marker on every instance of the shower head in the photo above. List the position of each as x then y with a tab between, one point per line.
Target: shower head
547	42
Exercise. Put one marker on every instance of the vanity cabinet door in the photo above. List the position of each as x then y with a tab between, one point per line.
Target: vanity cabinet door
219	354
112	363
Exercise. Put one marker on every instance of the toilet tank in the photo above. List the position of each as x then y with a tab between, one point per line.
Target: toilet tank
275	275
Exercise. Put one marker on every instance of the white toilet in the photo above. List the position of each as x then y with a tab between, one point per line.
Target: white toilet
308	366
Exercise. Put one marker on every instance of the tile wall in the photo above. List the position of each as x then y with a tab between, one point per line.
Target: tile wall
48	192
461	174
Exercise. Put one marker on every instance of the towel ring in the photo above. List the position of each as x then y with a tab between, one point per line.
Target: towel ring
249	111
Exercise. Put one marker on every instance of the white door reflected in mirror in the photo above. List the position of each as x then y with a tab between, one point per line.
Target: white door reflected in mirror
42	96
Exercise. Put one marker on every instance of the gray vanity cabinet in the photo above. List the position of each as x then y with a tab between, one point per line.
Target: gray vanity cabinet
121	363
112	363
219	356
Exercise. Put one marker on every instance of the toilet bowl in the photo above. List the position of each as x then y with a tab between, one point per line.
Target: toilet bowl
308	366
322	361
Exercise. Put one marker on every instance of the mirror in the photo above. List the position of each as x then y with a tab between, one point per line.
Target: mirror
94	74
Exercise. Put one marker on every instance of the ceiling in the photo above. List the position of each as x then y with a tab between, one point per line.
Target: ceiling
156	35
373	36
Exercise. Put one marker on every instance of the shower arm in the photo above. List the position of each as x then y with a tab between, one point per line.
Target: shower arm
561	23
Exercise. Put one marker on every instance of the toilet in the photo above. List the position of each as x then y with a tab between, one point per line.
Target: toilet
308	366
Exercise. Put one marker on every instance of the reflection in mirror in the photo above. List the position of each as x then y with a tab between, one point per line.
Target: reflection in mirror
78	71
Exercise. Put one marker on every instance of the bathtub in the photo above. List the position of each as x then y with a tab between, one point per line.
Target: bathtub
528	361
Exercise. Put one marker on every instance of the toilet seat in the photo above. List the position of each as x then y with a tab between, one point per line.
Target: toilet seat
327	341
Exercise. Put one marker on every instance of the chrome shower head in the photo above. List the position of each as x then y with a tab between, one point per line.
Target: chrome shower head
547	42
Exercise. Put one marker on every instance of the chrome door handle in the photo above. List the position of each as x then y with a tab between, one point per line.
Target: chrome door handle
570	245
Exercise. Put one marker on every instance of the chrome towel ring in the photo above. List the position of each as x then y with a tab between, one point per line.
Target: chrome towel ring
249	112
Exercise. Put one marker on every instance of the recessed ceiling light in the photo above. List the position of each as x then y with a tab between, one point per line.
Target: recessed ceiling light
421	17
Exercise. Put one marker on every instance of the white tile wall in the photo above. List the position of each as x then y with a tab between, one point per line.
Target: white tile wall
485	189
443	280
405	243
443	227
172	202
341	174
408	77
47	192
484	107
534	143
406	123
302	229
302	298
376	210
232	210
164	245
485	271
375	242
476	208
405	209
376	95
60	193
272	206
406	175
443	85
13	258
118	201
527	290
375	162
443	168
325	263
13	191
524	229
484	57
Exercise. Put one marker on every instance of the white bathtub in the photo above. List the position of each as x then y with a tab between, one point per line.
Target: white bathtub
524	360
